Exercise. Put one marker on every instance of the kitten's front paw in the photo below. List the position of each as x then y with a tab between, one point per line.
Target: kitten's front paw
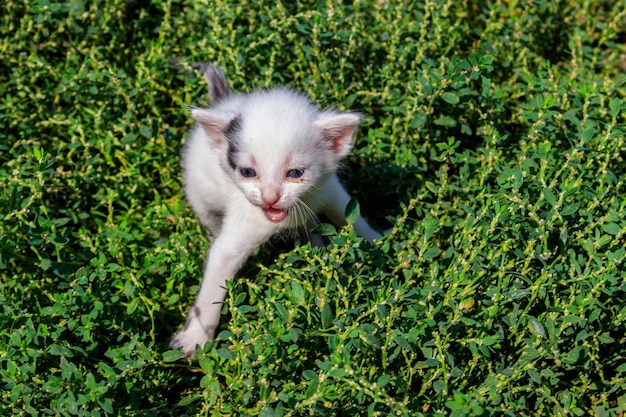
191	336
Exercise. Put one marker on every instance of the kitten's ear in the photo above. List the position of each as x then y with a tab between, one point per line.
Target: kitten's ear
220	126
337	129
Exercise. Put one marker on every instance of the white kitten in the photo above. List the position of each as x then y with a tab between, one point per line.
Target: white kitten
256	164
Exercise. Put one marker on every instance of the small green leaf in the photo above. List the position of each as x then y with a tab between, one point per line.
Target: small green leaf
431	362
325	229
611	228
575	355
38	152
445	121
431	253
563	236
282	311
190	399
90	382
402	342
132	306
616	256
549	196
372	340
225	353
173	355
129	138
518	179
129	288
534	375
569	209
517	293
382	311
310	375
536	326
106	404
338	372
327	315
606	338
145	131
419	121
353	211
490	340
477	410
312	388
45	264
615	106
107	372
383	380
450	97
588	134
245	309
297	291
268	412
432	187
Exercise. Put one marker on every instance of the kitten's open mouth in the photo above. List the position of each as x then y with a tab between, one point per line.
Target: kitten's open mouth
274	214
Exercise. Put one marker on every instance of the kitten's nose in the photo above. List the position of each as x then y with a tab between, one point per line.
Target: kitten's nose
270	197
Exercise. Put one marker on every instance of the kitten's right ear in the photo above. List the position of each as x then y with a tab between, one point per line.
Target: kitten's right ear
218	85
220	126
337	129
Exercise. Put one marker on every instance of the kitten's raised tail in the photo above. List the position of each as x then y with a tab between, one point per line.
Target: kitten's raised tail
215	78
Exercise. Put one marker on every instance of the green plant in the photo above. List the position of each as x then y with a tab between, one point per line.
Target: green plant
493	146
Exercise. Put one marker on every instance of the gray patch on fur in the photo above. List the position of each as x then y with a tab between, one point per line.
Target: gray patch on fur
232	137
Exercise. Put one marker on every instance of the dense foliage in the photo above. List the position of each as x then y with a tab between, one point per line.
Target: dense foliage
494	148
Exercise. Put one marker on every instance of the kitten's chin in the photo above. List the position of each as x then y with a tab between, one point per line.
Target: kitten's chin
275	215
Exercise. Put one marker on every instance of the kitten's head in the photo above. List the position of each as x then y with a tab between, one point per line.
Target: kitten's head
277	146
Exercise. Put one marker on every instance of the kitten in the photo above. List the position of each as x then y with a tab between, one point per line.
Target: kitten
254	165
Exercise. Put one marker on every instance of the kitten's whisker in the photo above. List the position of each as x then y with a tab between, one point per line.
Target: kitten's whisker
307	212
307	217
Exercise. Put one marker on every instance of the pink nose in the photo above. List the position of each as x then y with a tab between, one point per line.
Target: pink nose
270	197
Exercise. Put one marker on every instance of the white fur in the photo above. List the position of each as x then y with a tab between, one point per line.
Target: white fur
277	131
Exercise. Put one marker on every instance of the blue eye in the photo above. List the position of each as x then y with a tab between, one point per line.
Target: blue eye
247	172
295	173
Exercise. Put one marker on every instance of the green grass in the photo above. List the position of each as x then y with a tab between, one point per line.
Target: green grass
494	146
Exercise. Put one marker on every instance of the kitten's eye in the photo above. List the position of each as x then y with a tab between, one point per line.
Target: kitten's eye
295	173
247	172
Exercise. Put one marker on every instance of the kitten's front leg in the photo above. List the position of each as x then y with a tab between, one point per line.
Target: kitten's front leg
204	316
226	255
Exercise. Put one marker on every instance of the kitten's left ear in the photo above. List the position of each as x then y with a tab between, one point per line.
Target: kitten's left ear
337	129
217	124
